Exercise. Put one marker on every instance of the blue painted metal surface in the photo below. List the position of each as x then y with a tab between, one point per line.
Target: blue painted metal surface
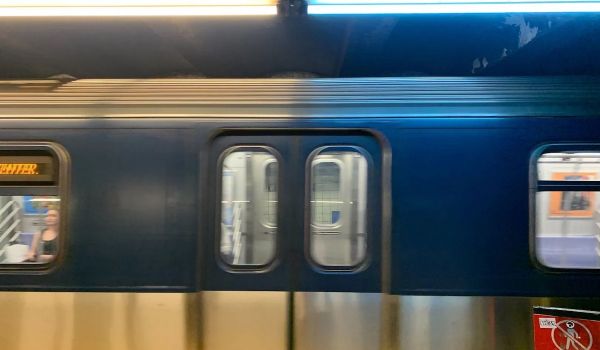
462	206
455	222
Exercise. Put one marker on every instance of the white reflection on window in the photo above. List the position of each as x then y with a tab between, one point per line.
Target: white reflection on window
249	207
338	201
270	190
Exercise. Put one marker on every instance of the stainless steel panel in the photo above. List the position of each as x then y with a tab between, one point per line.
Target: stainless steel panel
272	99
337	321
244	320
108	321
445	322
259	320
372	321
143	321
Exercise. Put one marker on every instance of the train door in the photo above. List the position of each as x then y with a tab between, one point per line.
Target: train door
298	211
247	231
343	216
297	228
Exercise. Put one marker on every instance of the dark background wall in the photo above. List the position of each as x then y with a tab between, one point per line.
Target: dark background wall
328	46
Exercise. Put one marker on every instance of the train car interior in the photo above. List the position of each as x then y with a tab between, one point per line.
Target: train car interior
568	237
249	212
22	218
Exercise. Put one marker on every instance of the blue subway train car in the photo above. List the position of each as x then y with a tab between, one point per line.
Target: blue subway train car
365	213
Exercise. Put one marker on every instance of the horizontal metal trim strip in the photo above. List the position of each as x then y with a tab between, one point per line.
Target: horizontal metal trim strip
545	186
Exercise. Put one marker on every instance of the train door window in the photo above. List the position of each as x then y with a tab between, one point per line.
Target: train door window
249	197
338	207
327	201
270	198
29	228
32	178
567	219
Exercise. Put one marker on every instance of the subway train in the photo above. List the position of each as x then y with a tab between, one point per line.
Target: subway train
379	213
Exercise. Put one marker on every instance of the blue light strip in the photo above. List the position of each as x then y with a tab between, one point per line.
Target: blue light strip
415	7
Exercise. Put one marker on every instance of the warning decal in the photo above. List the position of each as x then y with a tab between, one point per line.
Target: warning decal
564	329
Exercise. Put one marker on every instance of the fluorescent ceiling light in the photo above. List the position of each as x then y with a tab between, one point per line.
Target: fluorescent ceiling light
449	6
127	8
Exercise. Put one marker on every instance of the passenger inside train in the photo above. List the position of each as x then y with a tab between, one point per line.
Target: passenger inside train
45	243
29	229
568	223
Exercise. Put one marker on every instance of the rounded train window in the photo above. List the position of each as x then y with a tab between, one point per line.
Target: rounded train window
338	206
249	198
33	180
567	211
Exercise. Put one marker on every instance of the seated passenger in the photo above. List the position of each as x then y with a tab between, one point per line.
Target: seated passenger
45	243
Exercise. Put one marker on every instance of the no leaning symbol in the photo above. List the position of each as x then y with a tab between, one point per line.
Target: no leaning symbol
565	329
572	335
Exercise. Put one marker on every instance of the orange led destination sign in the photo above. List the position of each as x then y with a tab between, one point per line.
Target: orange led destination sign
19	169
26	169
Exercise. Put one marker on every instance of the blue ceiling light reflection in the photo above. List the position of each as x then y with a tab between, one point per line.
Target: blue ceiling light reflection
321	7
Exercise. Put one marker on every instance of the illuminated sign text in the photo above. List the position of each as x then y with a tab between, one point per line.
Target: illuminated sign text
19	169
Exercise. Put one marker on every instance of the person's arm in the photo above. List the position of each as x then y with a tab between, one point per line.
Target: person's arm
34	243
45	258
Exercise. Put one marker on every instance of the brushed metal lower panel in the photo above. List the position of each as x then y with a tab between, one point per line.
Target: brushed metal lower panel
453	323
93	321
260	320
143	321
372	321
244	320
337	321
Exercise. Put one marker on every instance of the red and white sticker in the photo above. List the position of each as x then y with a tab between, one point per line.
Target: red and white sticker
561	329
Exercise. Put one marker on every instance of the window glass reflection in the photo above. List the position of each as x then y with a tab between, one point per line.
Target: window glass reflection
338	201
569	166
326	202
568	222
270	204
29	229
249	207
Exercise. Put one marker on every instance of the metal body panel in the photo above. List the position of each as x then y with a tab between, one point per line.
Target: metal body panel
426	322
308	98
374	321
337	321
143	321
141	210
260	320
244	320
463	203
504	144
107	321
131	220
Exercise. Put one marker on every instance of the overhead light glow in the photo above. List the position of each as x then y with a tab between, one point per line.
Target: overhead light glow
321	7
134	8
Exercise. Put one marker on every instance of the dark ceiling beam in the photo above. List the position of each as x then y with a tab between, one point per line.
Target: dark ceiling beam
292	8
